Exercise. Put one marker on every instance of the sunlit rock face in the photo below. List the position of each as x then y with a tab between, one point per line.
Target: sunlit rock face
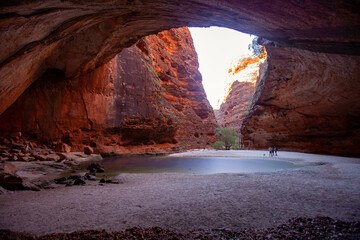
306	101
242	78
148	98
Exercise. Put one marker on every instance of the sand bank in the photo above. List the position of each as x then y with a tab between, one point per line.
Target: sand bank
326	186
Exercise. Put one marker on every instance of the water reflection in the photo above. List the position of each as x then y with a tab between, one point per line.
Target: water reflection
198	165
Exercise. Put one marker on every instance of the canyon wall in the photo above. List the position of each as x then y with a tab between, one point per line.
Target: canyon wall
305	101
78	36
242	77
149	97
314	42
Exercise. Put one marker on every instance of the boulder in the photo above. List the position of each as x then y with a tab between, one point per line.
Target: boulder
5	153
62	147
79	181
13	157
32	145
60	180
30	186
76	176
96	167
88	150
52	157
39	157
26	159
8	168
62	155
112	180
11	182
90	177
2	190
14	150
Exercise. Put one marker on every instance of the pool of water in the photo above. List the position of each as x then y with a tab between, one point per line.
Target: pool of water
197	165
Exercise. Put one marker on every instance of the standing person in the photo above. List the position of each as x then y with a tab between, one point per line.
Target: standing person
275	150
270	151
27	148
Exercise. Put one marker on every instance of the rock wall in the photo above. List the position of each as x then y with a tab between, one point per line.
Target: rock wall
243	75
78	36
148	98
306	101
234	109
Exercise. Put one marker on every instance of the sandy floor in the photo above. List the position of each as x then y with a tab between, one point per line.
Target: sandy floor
326	186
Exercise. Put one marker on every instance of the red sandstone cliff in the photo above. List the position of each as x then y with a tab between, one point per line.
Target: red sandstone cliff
148	98
78	36
306	101
236	105
317	41
243	75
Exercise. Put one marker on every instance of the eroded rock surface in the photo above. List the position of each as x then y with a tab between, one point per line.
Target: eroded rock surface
79	36
148	98
243	75
306	101
75	37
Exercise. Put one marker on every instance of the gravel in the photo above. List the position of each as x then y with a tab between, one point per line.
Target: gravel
165	203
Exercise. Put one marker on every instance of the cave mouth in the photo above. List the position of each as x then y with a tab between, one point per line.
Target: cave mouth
222	54
229	62
218	49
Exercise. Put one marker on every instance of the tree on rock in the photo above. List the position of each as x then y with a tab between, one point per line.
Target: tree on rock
227	138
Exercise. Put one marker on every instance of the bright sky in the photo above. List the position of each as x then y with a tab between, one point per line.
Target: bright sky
216	48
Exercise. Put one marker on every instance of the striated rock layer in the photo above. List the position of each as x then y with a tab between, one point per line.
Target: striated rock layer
148	98
234	109
243	75
306	101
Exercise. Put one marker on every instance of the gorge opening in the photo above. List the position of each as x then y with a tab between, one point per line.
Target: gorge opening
217	48
229	62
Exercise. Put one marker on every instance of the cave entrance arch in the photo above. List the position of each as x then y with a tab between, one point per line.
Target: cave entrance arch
77	37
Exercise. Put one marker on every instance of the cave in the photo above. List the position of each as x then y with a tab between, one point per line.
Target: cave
308	87
88	79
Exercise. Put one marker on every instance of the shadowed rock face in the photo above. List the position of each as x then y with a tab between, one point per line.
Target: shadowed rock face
306	101
234	109
149	94
77	37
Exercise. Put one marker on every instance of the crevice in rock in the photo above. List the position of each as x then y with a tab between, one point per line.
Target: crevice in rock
86	111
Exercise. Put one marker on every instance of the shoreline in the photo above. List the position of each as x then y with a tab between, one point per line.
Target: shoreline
328	186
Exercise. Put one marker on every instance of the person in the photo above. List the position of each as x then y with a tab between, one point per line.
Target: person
275	150
27	148
270	151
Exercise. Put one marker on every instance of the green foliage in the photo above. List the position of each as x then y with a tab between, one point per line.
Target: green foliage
227	136
236	147
219	145
256	48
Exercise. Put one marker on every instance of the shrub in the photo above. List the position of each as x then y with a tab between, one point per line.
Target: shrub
235	147
227	136
219	145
